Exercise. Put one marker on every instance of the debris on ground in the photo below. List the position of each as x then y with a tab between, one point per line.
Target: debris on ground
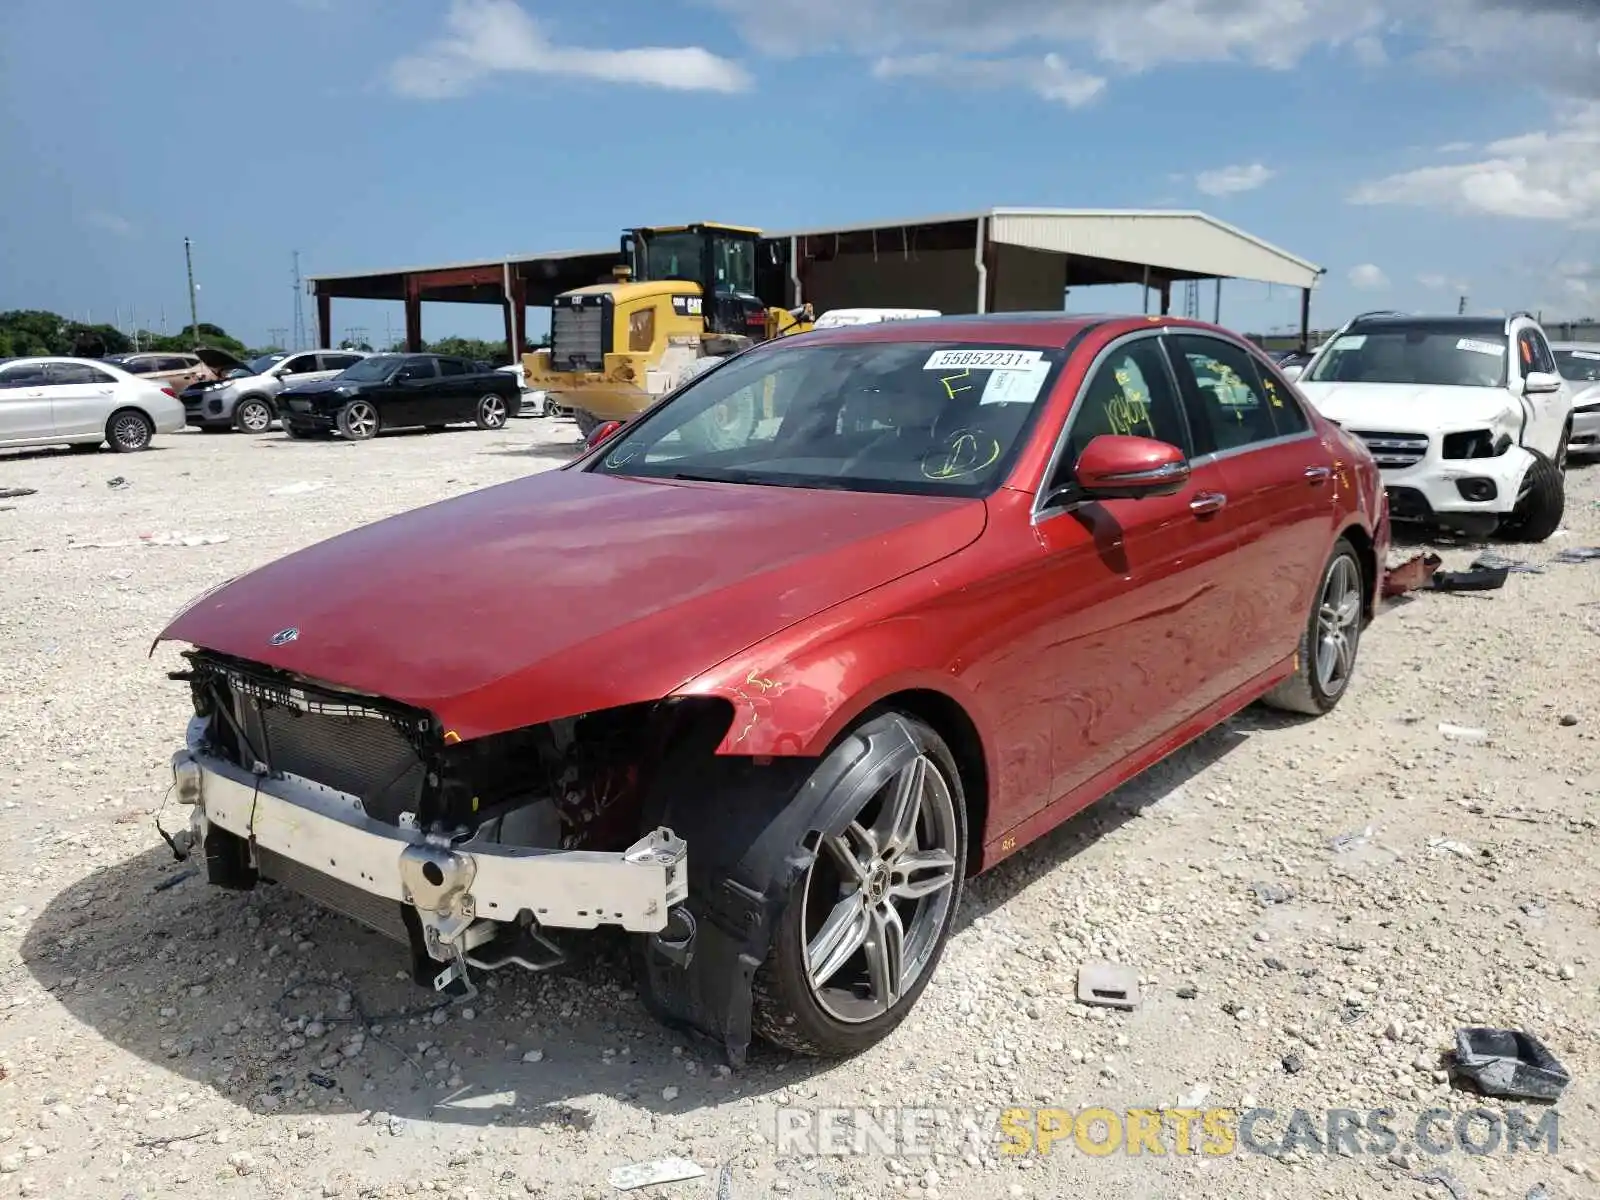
1110	985
155	539
300	488
1508	1063
173	881
1491	560
1446	1180
1474	579
649	1174
1459	849
1470	734
1352	840
117	483
1410	575
16	493
1272	893
1578	554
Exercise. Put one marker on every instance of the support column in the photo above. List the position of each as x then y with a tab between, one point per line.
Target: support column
1216	311
413	315
1166	298
324	321
1305	319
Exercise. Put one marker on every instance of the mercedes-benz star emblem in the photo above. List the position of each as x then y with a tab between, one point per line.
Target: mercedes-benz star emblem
284	636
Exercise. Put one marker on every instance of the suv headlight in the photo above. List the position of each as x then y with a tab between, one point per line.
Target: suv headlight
1476	443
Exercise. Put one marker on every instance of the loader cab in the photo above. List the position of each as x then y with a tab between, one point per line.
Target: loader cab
720	258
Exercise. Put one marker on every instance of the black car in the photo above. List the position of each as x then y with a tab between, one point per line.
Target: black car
398	391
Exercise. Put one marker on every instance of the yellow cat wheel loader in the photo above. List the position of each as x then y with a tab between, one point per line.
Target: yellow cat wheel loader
683	298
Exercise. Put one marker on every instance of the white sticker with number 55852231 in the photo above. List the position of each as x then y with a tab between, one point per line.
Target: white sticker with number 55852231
983	360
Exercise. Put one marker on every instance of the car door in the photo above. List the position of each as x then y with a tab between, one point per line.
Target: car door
81	398
25	415
1278	480
456	394
1549	409
1142	614
411	395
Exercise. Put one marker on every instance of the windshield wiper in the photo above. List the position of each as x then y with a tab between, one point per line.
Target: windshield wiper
691	477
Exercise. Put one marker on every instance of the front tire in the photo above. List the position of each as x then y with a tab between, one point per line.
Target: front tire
866	923
1542	505
129	431
492	412
1326	657
358	421
253	415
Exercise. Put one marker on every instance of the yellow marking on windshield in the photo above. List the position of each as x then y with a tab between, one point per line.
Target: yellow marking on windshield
952	392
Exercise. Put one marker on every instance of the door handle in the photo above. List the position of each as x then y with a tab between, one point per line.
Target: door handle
1319	474
1207	502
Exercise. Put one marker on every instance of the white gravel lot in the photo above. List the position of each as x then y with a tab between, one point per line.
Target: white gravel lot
153	1042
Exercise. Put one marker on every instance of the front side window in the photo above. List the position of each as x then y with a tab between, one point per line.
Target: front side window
300	364
1131	394
673	256
1535	354
419	368
260	366
909	417
21	375
733	265
1431	355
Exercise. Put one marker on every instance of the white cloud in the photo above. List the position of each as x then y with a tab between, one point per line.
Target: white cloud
485	37
1229	181
1544	175
1136	35
1368	277
1047	76
109	222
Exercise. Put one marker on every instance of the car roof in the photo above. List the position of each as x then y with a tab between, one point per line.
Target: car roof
57	358
1575	345
1042	330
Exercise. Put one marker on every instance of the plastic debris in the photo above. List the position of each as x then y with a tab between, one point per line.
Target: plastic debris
1410	575
1464	733
1349	841
1474	579
725	1183
648	1174
1448	1181
172	881
322	1081
1109	985
155	539
1578	554
1489	560
12	493
299	489
1508	1063
1459	849
117	483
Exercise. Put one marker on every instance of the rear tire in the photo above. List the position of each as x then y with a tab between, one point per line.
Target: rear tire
129	431
1539	512
1326	657
876	903
492	411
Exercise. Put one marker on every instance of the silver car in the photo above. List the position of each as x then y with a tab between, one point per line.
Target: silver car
244	399
82	403
1579	364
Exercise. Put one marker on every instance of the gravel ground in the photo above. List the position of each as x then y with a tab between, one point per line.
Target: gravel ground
1313	908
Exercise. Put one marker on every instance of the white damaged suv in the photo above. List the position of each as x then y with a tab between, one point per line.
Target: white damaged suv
1467	417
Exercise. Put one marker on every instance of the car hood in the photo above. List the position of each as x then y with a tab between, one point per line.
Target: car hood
1423	408
1585	393
567	592
219	361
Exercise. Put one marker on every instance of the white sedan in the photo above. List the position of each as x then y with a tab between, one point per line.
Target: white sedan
84	403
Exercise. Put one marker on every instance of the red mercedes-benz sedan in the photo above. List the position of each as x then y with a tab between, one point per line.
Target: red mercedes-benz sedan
764	675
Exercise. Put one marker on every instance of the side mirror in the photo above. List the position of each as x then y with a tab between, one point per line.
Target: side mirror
601	433
1292	373
1114	467
1541	382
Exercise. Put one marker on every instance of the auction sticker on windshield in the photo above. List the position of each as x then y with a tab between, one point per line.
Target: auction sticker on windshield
1478	347
1015	386
983	360
1351	341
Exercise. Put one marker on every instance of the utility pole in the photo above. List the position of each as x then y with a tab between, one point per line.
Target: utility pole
299	306
194	308
1461	309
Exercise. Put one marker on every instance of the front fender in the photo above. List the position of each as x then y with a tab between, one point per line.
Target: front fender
794	700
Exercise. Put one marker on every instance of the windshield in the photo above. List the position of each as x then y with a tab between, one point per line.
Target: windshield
910	417
260	366
673	256
1433	356
1579	366
368	370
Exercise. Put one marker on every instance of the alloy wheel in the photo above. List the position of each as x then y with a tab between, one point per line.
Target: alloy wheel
877	896
254	416
361	420
491	412
1338	616
131	431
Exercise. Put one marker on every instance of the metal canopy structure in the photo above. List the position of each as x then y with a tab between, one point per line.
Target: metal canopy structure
996	260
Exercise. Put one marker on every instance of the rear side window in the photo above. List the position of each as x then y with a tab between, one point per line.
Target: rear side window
1227	391
338	362
79	373
452	366
1287	415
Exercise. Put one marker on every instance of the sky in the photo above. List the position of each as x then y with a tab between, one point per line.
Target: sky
1419	150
